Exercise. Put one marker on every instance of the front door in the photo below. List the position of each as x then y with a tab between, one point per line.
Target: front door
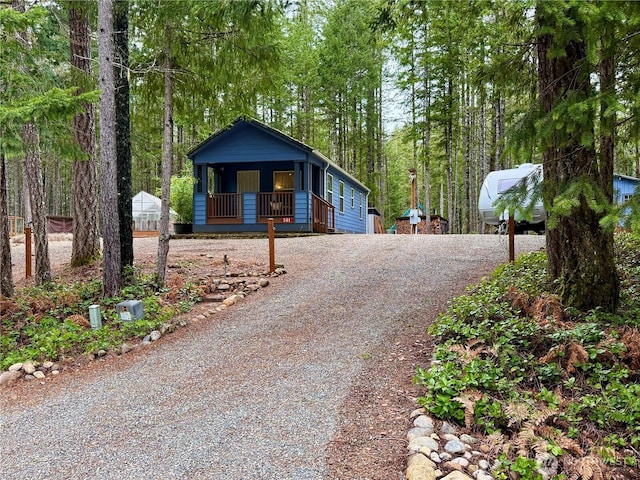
248	181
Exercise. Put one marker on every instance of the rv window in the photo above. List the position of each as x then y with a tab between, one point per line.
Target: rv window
506	183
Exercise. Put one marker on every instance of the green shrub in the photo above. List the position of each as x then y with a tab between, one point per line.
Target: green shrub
39	328
512	355
181	197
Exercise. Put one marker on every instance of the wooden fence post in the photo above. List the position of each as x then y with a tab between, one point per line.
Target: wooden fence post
512	228
27	251
272	259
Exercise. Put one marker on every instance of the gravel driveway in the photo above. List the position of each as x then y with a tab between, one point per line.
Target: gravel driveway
254	392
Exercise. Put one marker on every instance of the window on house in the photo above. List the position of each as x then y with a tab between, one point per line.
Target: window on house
283	181
330	188
353	198
361	206
341	196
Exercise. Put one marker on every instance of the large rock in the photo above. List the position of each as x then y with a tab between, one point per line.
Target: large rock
420	471
416	432
448	428
7	378
16	367
455	446
424	421
231	300
28	368
419	458
419	442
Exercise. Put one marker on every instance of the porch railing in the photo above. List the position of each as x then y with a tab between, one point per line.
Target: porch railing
324	218
275	205
224	208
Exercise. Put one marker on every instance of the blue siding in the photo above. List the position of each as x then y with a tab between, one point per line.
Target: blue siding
623	187
247	144
200	208
302	205
348	221
249	208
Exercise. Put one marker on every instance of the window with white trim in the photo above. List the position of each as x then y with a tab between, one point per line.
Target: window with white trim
361	206
341	196
330	188
353	198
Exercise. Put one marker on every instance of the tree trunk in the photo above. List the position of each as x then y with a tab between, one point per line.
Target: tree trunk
86	239
167	160
500	161
607	110
33	165
449	154
580	253
111	276
6	274
426	140
123	132
466	147
483	145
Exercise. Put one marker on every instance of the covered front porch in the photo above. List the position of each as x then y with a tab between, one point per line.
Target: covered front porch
243	197
258	207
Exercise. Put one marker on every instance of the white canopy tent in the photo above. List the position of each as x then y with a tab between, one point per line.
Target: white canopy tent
146	212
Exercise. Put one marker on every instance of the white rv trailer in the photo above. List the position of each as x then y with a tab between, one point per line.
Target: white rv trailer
498	182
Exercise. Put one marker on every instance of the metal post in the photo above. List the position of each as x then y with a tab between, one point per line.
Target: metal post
94	317
412	179
27	251
226	262
272	258
512	228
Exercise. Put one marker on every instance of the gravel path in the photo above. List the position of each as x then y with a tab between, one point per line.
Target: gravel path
255	391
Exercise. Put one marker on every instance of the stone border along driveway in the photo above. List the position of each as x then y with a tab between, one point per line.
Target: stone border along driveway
255	391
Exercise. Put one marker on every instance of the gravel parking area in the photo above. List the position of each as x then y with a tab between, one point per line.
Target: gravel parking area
276	387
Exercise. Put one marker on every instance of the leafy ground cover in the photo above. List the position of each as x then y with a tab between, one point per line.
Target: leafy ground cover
50	323
546	384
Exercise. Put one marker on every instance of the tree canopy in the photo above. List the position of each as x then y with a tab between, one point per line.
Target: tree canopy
452	89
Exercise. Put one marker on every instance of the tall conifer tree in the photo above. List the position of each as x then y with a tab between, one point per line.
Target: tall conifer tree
580	252
111	269
86	239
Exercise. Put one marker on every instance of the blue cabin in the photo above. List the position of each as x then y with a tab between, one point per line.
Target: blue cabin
623	187
249	172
